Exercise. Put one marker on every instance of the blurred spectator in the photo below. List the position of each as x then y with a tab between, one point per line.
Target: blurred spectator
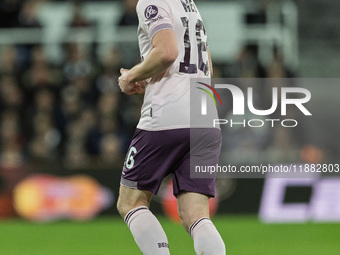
28	14
11	159
78	20
10	94
70	108
44	101
84	89
9	63
77	62
129	17
283	148
46	138
110	151
40	73
107	120
76	132
247	64
108	104
38	55
75	157
241	143
108	78
11	140
276	68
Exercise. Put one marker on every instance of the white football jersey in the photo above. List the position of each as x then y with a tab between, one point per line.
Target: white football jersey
167	102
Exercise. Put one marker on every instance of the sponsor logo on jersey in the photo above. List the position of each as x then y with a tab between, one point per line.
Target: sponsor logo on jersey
151	21
151	11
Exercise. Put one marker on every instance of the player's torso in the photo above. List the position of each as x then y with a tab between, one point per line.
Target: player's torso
167	103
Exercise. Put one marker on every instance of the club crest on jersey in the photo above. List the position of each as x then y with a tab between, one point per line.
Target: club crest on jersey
151	11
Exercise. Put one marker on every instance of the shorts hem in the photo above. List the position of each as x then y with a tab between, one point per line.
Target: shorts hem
133	185
148	189
210	194
128	183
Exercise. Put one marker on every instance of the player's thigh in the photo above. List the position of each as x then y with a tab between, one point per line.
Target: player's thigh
191	207
152	156
132	198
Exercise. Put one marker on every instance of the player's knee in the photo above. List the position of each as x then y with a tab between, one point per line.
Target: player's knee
187	217
125	205
183	218
121	208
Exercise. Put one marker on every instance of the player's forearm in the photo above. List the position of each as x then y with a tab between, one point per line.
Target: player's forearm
158	61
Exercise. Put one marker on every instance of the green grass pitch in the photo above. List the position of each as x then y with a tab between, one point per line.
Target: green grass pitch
243	235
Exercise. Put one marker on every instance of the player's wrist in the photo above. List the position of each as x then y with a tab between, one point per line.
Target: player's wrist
132	76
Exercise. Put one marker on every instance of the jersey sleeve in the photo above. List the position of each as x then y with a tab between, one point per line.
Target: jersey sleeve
154	15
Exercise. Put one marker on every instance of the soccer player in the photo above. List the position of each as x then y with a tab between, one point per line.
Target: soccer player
173	46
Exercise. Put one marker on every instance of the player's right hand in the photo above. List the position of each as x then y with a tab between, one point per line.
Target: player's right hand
130	88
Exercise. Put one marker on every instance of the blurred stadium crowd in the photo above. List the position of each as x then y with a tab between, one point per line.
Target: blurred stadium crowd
73	115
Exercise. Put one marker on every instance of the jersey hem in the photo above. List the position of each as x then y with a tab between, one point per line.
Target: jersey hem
170	128
162	128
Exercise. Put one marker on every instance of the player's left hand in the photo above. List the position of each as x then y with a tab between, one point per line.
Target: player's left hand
129	88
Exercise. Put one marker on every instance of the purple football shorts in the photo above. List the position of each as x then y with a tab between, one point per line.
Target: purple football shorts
153	155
